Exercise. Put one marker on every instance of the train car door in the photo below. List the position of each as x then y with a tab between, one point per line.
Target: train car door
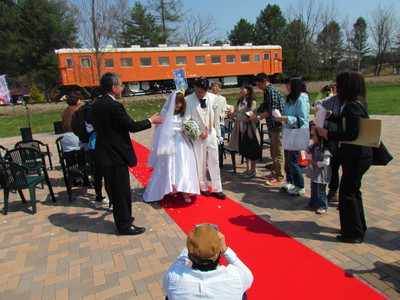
267	63
277	65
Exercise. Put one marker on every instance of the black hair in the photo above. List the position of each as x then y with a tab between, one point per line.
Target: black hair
350	86
73	98
201	82
189	91
108	80
206	265
260	77
251	96
296	88
96	92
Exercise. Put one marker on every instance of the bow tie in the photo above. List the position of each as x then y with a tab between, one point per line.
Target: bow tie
203	103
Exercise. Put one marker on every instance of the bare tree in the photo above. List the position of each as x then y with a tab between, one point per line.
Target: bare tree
308	13
348	45
383	30
198	28
101	20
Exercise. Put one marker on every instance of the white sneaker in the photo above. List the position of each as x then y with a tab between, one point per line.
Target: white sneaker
99	204
297	191
110	208
287	186
249	175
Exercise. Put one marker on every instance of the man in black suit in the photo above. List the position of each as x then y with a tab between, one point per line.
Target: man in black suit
114	150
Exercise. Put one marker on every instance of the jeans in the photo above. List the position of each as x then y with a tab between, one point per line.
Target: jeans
292	168
318	196
223	131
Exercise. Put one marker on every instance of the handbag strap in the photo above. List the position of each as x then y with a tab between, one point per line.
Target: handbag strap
363	108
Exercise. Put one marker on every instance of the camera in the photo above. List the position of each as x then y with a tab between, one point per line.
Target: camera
327	88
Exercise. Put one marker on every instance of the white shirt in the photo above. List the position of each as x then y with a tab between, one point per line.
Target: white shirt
181	282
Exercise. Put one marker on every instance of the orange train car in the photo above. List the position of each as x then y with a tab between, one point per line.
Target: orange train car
144	69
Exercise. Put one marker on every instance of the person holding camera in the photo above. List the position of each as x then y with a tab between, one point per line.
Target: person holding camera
206	279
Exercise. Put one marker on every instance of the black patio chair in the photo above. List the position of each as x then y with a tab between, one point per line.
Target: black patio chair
3	150
38	145
74	164
13	177
33	161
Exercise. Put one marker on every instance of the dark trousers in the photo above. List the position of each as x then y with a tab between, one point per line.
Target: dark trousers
98	180
120	189
334	182
351	211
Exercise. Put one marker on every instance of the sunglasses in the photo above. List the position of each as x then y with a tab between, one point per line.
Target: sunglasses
216	227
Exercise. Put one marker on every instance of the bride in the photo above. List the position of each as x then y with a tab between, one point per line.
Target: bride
172	156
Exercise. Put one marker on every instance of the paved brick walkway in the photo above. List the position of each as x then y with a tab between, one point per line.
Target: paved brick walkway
70	250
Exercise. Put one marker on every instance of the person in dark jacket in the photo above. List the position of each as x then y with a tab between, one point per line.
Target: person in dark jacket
355	159
114	150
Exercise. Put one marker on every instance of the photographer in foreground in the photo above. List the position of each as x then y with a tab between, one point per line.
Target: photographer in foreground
206	279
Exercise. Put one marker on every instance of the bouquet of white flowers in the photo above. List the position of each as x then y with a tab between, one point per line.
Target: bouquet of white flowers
191	130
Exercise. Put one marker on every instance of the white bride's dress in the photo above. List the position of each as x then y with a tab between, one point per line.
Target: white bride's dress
176	172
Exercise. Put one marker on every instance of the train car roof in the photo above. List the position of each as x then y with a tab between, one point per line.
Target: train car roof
165	48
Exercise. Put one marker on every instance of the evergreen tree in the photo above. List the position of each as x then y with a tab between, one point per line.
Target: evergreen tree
360	41
243	32
270	26
295	50
31	31
166	14
330	45
141	29
9	37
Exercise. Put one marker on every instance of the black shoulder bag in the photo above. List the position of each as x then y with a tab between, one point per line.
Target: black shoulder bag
381	155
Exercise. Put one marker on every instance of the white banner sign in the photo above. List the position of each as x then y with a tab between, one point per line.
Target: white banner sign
4	92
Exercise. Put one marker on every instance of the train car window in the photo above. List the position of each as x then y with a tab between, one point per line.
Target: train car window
126	62
109	63
145	61
85	61
266	56
163	61
230	59
69	63
215	59
276	55
256	57
200	60
180	60
245	58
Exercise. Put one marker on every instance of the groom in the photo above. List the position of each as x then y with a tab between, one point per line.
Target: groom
200	107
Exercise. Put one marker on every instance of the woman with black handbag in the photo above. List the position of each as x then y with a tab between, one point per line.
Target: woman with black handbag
245	137
355	160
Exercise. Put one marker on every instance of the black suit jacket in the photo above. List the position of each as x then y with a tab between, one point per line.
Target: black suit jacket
352	113
112	125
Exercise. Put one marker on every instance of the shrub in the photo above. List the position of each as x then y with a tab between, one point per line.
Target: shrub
35	95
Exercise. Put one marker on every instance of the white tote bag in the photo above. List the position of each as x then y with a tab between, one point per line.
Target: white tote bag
295	139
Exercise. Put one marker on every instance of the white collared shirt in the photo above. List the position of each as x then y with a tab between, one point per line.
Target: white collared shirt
181	282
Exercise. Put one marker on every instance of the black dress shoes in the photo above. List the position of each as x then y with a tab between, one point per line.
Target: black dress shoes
133	230
205	193
348	240
219	195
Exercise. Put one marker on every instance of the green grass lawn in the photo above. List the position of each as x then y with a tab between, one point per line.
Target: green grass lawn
382	100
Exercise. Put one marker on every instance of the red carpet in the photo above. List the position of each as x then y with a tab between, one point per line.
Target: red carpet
282	267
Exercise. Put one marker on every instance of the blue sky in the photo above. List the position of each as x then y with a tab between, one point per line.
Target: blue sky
228	12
